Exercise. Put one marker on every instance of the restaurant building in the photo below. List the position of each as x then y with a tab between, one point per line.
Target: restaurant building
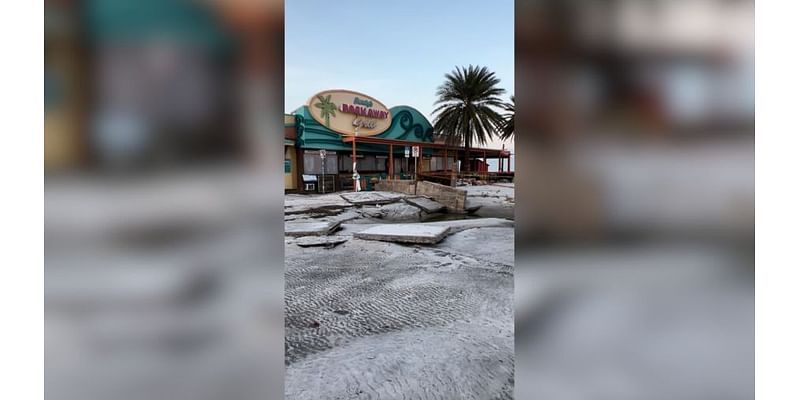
334	127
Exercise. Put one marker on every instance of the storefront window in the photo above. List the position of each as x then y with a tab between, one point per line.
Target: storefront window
437	163
376	163
345	164
363	163
366	164
330	163
380	163
403	165
312	163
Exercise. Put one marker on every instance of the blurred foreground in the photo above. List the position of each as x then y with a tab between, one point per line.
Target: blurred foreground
163	200
635	253
163	287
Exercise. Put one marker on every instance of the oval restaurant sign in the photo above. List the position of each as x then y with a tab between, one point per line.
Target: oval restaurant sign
343	111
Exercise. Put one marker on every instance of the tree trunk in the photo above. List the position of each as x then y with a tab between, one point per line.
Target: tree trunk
465	166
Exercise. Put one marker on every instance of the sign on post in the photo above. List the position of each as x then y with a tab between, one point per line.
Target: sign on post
322	154
415	153
408	151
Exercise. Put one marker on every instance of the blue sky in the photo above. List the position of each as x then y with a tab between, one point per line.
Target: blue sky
395	51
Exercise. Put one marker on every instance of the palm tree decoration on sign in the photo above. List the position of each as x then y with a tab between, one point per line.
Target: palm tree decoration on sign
507	128
328	109
465	112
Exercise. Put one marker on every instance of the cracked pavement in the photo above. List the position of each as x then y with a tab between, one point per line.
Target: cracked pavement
374	320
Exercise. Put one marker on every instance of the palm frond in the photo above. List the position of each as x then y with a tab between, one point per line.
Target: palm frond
466	108
507	123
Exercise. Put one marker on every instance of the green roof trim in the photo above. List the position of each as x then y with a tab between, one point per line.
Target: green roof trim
408	124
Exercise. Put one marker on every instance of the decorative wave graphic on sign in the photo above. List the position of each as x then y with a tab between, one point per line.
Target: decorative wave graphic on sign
405	120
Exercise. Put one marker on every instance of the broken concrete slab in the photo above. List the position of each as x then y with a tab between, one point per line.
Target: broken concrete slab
490	207
452	198
371	212
320	228
473	242
327	203
471	209
398	212
458	225
406	233
501	191
425	204
327	241
391	195
350	228
368	198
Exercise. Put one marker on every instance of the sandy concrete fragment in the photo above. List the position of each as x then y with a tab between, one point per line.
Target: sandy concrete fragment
327	241
406	233
398	212
297	204
310	228
370	198
458	225
425	204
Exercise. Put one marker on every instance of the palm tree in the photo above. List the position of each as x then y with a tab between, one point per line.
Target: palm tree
328	108
507	127
465	112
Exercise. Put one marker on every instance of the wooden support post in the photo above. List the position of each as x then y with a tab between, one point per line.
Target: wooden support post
299	163
416	165
485	166
391	161
355	186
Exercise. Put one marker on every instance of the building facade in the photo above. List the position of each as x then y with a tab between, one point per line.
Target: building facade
323	136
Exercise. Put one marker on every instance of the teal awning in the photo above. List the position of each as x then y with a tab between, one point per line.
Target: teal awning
408	125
